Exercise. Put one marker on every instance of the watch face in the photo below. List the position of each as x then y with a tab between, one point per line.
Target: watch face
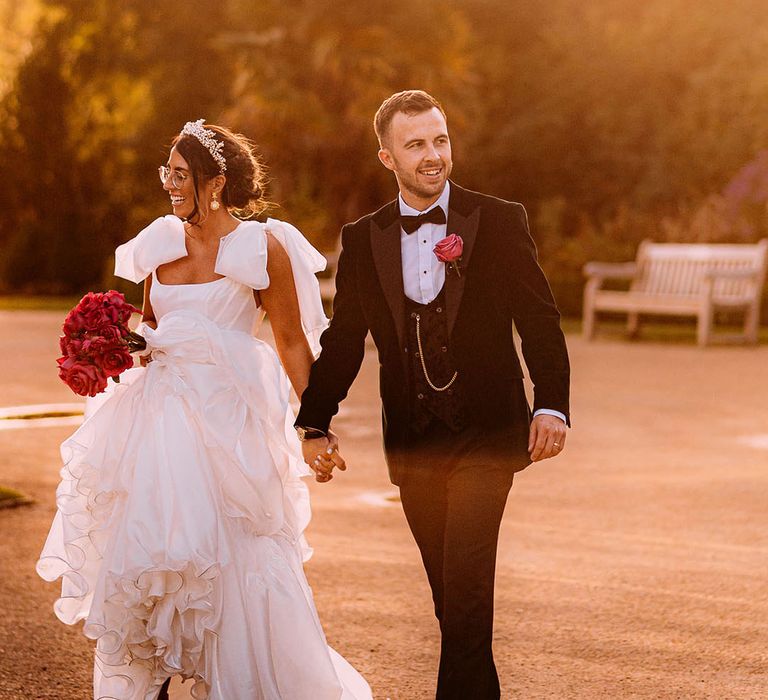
309	433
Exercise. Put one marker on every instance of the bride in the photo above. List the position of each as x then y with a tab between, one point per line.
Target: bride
178	534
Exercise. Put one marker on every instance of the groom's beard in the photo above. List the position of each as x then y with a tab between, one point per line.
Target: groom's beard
413	183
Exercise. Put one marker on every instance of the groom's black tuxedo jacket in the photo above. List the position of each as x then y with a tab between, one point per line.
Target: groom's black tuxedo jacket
500	284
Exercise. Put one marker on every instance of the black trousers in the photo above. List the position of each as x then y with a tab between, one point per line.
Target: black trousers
453	488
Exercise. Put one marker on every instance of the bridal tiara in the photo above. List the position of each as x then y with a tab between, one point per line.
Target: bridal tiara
206	137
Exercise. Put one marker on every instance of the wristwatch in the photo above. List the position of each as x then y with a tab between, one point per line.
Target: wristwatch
309	433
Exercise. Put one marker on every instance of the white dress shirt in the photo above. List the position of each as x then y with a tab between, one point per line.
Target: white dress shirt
423	273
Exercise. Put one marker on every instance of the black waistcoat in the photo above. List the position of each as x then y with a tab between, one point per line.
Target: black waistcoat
426	403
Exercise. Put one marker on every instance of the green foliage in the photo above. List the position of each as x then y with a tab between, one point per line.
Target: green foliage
18	302
19	20
10	498
611	121
95	89
310	80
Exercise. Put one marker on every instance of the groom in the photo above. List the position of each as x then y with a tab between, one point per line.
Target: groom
457	425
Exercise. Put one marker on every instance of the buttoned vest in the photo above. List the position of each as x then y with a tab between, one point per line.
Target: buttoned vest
428	404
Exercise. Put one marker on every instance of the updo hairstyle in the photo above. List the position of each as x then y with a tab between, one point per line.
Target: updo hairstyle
244	188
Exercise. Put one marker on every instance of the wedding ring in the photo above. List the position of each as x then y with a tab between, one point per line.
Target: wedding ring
556	444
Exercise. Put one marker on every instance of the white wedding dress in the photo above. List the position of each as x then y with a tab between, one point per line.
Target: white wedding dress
178	535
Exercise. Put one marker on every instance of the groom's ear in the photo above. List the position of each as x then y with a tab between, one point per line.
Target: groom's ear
386	158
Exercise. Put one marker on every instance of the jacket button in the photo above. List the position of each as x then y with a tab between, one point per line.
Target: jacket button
439	309
419	396
416	354
414	314
443	349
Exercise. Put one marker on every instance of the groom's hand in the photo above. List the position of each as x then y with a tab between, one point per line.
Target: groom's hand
547	437
322	455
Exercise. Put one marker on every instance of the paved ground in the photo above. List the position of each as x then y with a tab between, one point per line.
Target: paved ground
633	566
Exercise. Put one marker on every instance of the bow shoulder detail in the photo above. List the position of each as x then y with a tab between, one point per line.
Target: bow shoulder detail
306	261
242	255
159	243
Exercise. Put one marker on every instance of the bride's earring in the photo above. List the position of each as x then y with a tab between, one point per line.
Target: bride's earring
215	202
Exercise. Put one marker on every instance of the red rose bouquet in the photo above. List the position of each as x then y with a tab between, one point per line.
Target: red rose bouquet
97	343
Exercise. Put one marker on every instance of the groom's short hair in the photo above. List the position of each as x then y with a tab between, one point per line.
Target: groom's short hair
409	102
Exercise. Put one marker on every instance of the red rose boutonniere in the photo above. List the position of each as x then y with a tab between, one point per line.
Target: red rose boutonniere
449	250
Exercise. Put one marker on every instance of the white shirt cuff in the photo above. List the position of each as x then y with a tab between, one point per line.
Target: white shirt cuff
550	412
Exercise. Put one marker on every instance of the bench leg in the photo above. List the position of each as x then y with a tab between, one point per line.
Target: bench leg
704	326
751	323
588	315
633	324
588	323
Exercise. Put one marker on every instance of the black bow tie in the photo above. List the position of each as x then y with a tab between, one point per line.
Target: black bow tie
412	223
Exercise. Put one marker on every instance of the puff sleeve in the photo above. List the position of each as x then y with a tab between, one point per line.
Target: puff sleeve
159	243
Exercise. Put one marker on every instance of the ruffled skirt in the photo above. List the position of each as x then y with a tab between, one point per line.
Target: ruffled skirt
179	529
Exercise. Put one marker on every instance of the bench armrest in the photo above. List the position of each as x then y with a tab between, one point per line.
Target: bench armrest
616	271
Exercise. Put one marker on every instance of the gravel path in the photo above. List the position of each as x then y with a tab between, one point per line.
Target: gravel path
634	566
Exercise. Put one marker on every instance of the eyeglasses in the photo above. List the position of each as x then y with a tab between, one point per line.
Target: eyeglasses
177	178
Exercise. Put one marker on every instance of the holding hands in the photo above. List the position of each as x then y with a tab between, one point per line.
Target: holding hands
322	455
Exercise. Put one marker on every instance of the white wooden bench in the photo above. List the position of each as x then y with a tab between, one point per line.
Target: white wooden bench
681	279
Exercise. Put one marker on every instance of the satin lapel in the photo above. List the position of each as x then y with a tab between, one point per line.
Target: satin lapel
385	245
466	228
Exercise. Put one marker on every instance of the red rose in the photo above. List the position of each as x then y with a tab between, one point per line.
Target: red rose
73	323
83	378
92	311
96	345
119	307
70	346
115	361
113	334
449	249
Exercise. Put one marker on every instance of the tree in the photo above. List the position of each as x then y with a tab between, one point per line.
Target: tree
310	80
104	87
